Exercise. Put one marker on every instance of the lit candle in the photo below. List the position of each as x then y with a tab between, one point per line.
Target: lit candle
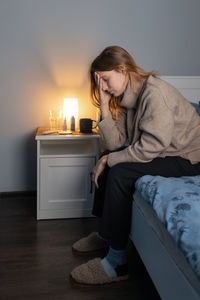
70	112
73	127
65	125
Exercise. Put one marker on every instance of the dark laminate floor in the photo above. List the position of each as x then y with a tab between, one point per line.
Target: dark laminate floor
36	260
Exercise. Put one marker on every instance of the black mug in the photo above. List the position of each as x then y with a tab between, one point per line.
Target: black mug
86	125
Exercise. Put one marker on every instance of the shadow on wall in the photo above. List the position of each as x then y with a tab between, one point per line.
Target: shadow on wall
30	159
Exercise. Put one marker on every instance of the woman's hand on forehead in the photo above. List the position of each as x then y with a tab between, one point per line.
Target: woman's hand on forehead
97	77
98	82
104	96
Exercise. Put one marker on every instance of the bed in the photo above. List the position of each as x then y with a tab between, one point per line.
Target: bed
165	260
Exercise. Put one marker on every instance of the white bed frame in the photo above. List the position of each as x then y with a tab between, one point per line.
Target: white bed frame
167	277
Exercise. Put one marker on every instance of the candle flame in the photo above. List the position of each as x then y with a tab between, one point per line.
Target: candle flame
70	108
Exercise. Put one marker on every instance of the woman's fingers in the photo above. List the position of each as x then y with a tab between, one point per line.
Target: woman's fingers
94	178
97	77
98	169
99	85
96	181
95	175
98	81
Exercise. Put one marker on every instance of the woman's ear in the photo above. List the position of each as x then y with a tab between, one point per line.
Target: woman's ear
123	69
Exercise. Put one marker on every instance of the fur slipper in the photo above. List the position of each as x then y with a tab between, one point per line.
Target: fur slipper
92	273
89	244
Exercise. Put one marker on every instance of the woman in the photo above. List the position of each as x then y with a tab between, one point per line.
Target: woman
148	128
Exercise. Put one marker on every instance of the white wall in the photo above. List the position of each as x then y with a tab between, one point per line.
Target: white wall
46	47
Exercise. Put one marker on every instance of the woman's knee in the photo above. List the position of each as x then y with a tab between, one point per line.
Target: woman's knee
119	189
117	175
114	172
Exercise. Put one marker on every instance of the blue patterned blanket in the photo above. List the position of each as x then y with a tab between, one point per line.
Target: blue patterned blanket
177	205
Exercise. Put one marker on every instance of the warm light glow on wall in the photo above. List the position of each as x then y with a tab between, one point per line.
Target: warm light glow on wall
70	108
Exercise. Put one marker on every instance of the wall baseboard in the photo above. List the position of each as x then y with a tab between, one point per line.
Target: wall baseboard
18	203
17	194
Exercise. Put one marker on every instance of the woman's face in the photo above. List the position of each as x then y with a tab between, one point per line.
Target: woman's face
113	82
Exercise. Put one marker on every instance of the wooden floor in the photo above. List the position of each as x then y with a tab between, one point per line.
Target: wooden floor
36	260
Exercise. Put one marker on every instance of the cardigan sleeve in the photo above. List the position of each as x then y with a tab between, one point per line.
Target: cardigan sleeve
114	133
156	130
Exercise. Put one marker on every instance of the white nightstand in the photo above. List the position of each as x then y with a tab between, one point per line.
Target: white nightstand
64	163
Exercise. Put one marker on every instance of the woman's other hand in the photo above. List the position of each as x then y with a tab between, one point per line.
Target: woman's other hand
98	169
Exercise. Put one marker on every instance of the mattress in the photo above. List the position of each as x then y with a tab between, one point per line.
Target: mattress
167	241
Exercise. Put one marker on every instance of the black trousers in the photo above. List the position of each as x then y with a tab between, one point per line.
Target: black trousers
113	199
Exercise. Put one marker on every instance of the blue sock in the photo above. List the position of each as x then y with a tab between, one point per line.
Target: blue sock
113	259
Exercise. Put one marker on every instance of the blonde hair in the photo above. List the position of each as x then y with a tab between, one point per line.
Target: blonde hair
115	58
